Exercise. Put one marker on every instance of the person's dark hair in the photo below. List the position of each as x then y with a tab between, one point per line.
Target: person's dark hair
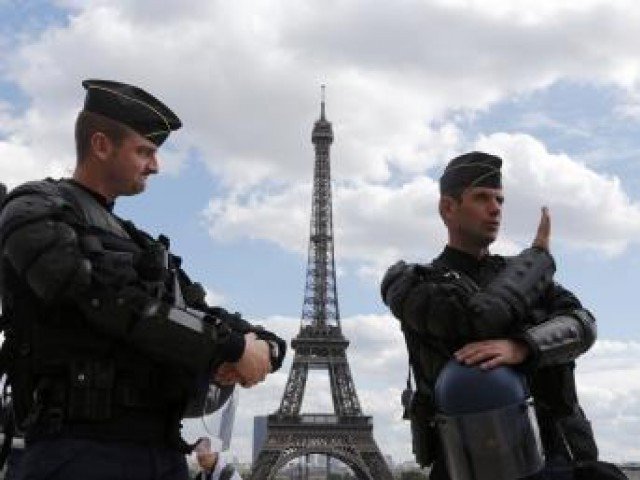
456	194
89	123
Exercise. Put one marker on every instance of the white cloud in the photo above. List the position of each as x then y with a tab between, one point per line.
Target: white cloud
18	164
278	217
213	297
244	77
376	224
608	380
588	209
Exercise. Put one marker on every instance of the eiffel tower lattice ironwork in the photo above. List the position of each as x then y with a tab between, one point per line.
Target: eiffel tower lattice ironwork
347	434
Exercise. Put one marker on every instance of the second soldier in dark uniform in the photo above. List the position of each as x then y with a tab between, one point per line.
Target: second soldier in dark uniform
489	310
109	339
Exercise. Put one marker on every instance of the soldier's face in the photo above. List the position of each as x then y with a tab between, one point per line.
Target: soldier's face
131	163
477	216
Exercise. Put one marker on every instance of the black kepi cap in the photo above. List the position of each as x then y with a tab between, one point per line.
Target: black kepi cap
473	169
131	106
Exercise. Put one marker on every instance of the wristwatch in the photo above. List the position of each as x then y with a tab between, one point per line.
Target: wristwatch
274	351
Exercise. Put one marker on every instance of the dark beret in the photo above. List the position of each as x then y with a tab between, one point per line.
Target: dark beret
131	106
474	169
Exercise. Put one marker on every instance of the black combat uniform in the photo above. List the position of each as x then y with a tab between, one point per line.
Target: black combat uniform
108	338
440	314
458	299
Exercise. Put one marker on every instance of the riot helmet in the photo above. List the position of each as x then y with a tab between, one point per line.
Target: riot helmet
487	423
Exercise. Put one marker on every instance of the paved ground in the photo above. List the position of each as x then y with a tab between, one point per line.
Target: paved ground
633	474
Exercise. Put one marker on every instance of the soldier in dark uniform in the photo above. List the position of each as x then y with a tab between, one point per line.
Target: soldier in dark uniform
108	338
489	310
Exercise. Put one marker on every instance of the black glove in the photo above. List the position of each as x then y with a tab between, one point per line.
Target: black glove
277	346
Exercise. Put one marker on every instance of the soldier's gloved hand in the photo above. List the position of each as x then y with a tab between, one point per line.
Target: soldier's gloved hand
277	346
255	363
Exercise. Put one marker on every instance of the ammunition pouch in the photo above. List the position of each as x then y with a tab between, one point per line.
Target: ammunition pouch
424	432
91	400
20	377
90	390
17	361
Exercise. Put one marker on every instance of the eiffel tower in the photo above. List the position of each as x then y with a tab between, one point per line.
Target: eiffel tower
347	434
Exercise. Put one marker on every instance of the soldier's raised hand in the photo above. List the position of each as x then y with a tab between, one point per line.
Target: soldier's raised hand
544	231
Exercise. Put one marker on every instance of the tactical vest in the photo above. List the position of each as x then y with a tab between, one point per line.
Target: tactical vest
68	380
564	427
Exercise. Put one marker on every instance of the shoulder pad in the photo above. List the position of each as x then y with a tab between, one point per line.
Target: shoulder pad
427	271
47	187
432	273
393	273
46	190
400	280
29	202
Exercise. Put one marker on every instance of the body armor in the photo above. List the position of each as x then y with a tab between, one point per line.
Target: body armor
457	299
94	349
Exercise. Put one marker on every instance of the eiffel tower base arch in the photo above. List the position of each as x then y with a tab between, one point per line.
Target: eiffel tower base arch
348	439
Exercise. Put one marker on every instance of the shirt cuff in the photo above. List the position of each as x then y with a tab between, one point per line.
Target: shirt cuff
233	347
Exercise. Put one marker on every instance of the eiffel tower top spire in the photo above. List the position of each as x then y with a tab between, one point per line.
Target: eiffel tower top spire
322	101
320	308
322	132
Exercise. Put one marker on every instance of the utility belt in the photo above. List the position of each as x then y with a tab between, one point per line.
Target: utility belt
90	401
151	428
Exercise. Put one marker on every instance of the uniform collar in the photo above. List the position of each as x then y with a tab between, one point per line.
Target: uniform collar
460	261
108	205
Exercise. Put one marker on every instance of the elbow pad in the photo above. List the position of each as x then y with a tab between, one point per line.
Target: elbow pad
562	338
508	298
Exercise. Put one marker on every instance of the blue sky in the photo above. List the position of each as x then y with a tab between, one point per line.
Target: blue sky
408	88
